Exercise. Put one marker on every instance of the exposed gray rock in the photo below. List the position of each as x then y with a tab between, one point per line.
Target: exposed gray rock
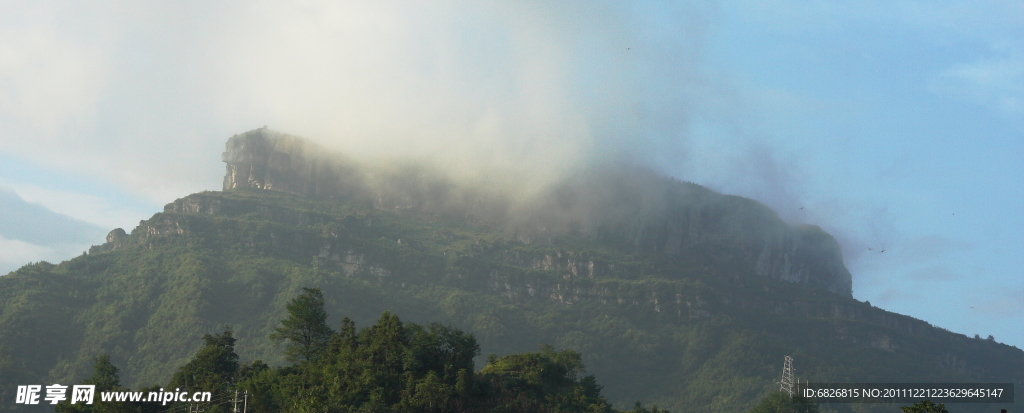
116	235
116	239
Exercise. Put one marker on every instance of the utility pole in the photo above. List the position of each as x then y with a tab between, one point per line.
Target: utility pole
245	402
787	376
234	403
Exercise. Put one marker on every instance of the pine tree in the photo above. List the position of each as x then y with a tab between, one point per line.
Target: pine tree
105	378
213	368
305	328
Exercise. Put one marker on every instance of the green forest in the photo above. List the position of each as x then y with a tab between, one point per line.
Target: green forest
390	366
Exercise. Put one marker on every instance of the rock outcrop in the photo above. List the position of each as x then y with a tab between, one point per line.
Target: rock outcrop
116	239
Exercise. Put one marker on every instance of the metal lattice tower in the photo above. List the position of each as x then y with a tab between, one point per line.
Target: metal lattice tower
787	377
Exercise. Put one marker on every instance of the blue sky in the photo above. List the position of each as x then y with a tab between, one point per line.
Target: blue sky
895	125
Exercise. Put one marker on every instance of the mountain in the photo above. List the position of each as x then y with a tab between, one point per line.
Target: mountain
651	214
673	294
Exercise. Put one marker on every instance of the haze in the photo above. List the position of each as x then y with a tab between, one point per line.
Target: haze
893	125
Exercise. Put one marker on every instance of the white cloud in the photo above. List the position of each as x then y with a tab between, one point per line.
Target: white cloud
148	101
14	253
51	78
89	208
996	82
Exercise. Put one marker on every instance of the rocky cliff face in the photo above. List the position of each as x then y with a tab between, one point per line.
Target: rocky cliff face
624	205
264	159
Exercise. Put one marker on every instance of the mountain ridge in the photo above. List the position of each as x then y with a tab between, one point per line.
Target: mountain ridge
700	329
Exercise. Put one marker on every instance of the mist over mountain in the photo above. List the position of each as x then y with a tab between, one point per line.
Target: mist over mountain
672	293
618	203
861	118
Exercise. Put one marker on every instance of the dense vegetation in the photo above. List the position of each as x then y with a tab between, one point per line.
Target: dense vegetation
688	332
390	366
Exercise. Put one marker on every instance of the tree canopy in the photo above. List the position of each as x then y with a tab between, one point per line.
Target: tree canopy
213	368
390	366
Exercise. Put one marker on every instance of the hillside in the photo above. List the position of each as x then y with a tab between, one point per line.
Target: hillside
672	293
